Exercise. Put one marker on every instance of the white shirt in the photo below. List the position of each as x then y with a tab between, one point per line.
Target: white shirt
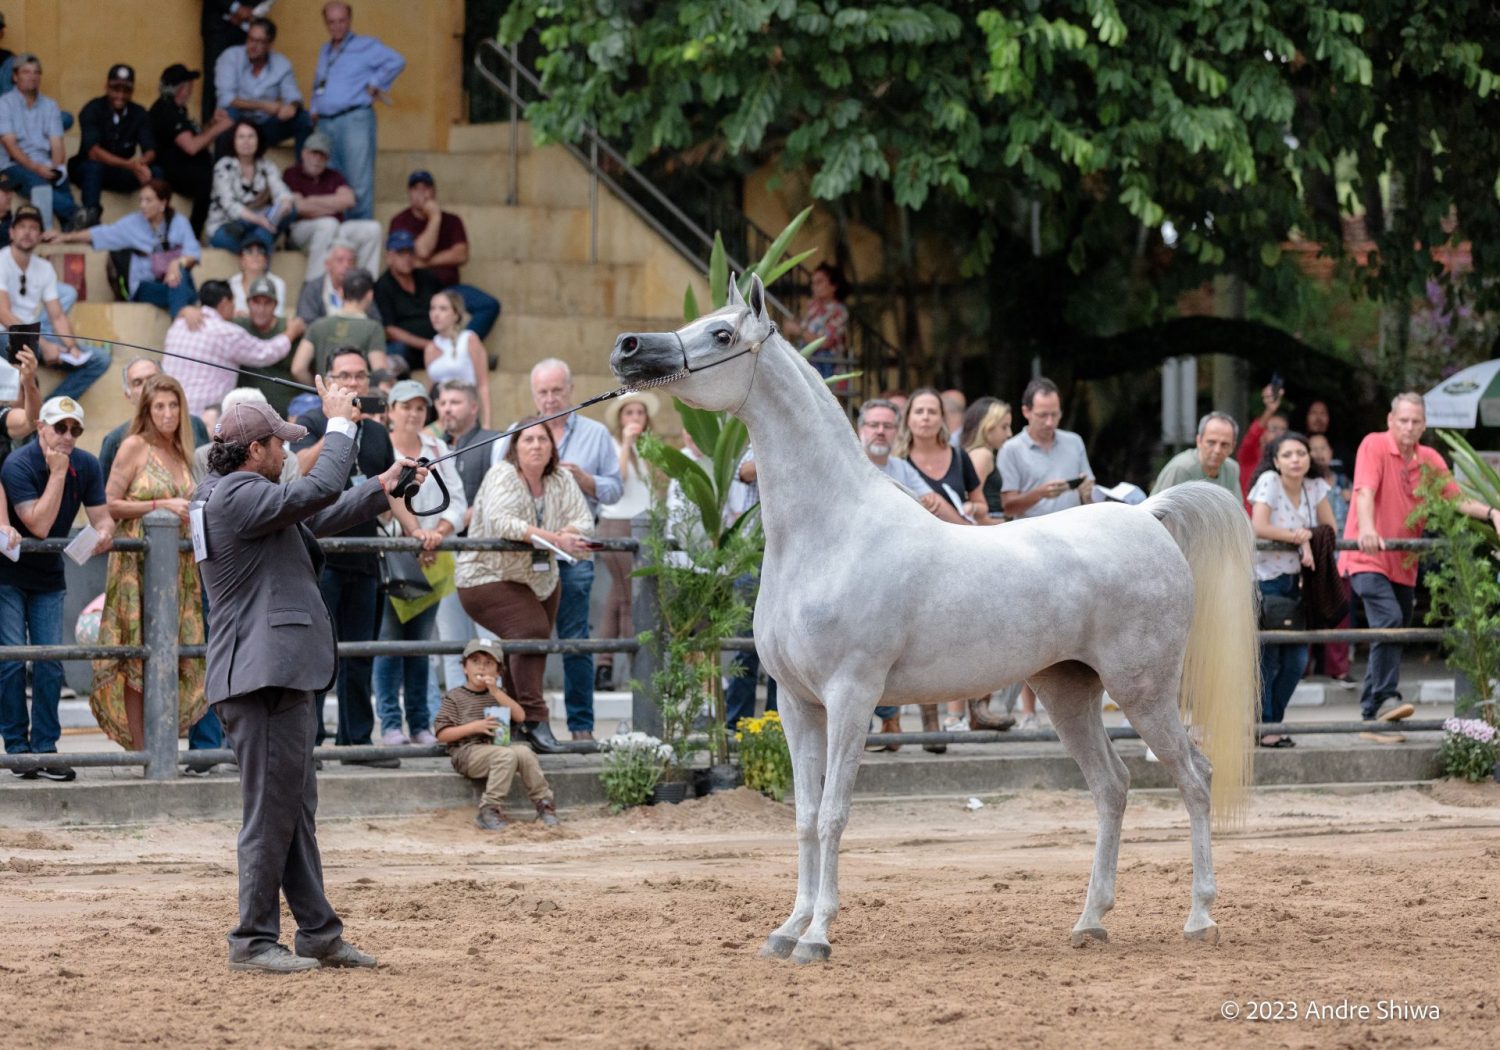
1269	490
242	306
41	285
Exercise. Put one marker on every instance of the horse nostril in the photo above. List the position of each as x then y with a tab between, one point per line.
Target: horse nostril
629	344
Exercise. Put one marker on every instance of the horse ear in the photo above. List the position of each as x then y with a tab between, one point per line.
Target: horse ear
735	298
757	299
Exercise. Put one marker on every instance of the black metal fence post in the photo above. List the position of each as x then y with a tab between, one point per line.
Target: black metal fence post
645	610
160	615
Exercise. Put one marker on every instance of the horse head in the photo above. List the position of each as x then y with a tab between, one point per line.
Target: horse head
709	362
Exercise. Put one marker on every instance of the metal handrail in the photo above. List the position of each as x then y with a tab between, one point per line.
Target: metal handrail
881	352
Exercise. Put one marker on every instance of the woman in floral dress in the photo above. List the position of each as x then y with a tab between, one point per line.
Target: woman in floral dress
824	317
152	471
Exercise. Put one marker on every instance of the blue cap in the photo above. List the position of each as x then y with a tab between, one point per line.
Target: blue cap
400	241
420	175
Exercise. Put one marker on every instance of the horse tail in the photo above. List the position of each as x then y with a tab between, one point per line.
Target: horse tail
1221	670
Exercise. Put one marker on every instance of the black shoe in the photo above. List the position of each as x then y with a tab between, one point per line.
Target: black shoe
60	773
83	218
539	736
373	763
199	769
23	774
604	678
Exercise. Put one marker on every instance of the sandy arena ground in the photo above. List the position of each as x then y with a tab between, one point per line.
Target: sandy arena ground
641	930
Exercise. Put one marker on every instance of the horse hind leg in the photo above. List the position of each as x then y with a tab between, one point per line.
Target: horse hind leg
1071	694
806	727
1161	728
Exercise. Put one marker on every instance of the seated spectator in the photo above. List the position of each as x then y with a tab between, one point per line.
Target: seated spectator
469	732
8	187
348	326
322	197
183	148
134	375
217	339
253	82
160	244
263	323
403	295
117	150
441	244
290	470
31	130
249	200
456	352
255	265
31	306
323	297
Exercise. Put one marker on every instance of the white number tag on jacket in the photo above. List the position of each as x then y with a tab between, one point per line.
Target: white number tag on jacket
200	534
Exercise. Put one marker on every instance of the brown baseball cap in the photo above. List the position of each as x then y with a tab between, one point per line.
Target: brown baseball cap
255	421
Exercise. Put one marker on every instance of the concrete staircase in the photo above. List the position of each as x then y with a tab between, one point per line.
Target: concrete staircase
532	254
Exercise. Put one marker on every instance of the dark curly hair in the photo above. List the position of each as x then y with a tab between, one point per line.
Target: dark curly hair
225	457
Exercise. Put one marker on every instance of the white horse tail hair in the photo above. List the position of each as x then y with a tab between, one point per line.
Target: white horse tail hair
1221	671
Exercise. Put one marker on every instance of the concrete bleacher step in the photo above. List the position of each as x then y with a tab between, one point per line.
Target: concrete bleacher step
488	138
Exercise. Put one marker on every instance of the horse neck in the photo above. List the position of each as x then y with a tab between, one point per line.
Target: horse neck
807	458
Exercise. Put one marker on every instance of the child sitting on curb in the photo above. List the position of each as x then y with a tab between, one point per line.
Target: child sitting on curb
462	724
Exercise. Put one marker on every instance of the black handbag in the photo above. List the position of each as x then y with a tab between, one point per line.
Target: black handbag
1282	612
401	575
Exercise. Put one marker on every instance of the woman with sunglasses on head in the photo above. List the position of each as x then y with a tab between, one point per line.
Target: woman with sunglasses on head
152	471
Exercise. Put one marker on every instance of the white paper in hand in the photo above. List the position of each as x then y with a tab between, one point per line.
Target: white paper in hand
13	552
82	547
537	541
75	358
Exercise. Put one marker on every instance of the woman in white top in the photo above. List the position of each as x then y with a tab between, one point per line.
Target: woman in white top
249	198
407	413
1287	501
628	418
455	352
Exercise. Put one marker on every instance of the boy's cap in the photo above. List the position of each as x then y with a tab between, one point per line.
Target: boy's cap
484	645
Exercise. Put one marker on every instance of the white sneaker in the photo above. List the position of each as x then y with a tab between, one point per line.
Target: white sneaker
1151	756
956	725
393	738
425	737
1028	722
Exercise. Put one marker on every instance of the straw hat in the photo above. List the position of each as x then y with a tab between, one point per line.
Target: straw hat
645	397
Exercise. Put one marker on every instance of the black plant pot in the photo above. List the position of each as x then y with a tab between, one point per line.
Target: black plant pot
725	777
669	792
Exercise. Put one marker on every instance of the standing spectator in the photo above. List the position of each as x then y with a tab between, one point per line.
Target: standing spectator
347	326
455	351
586	451
398	675
985	431
947	471
223	25
955	404
218	339
515	594
824	317
133	376
31	130
1044	469
1264	429
30	295
441	244
351	582
320	298
255	265
184	149
254	82
1387	469
1288	499
322	197
250	201
153	471
114	129
1319	424
1332	658
161	245
403	297
45	483
353	71
1208	460
628	418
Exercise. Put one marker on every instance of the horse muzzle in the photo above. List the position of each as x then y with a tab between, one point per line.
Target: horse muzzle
639	356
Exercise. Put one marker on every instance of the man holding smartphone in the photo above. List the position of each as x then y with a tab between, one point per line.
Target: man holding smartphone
1044	468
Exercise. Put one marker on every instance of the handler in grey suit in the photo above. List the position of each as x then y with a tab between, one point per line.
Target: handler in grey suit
271	655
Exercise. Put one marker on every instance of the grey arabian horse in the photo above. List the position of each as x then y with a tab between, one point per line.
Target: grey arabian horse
865	599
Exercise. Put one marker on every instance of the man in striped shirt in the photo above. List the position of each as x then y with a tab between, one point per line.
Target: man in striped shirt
215	338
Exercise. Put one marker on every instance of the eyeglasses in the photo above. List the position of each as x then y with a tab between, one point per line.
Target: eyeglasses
349	377
61	428
879	426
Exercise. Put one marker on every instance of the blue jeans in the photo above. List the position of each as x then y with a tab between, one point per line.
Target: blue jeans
353	136
392	673
482	307
159	293
273	132
883	711
1281	666
94	178
1386	605
60	202
80	378
232	236
351	599
573	622
206	734
30	618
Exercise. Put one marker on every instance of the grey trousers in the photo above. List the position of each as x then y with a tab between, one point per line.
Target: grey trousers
272	732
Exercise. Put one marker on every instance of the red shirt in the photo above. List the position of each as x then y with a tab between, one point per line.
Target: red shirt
1248	457
300	182
450	232
1380	467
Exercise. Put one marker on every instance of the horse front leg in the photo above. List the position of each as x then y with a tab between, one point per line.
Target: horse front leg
806	727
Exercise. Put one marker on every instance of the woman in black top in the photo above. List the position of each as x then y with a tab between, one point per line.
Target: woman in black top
923	442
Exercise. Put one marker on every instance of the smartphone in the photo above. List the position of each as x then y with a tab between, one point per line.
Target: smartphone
370	404
23	337
592	544
1277	383
1073	483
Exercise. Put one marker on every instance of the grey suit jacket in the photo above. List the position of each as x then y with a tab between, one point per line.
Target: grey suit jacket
267	623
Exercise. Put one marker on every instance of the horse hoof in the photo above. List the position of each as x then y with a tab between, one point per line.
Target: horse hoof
1082	938
1208	935
811	952
778	947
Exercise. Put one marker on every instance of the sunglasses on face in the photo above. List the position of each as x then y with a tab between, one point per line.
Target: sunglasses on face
62	427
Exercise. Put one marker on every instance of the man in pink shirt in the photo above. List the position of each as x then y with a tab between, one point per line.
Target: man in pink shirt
1387	470
209	336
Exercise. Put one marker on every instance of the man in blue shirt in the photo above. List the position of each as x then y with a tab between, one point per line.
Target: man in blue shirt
45	482
31	132
353	71
257	84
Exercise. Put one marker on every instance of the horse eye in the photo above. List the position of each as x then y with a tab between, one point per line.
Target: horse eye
721	336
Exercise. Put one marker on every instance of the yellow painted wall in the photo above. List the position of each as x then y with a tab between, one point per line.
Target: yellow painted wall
78	40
